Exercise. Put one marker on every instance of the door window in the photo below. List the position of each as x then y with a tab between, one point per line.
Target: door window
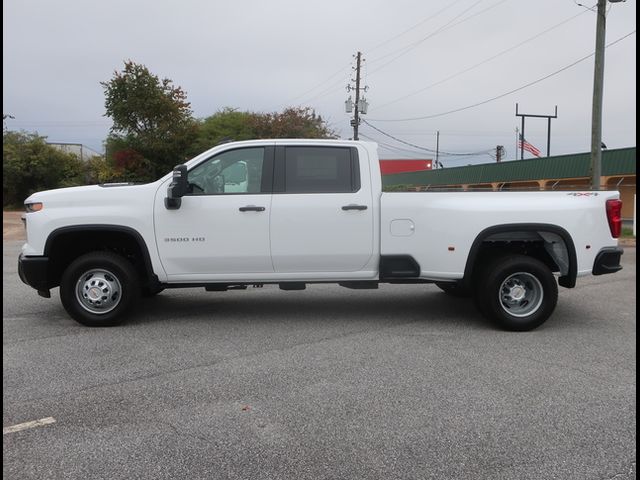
321	170
234	171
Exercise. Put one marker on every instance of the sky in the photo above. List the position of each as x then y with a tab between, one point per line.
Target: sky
453	62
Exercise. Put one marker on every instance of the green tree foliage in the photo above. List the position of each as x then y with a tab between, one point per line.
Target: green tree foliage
29	164
100	170
230	124
293	122
227	124
151	117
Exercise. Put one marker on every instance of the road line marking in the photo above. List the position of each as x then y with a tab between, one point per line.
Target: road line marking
24	426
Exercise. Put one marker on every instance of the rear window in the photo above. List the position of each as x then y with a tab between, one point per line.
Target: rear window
321	170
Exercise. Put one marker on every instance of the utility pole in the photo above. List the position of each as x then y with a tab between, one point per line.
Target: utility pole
596	111
361	104
499	152
598	84
356	114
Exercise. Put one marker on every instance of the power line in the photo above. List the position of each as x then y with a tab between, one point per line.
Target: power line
413	154
504	94
446	26
330	89
395	148
413	27
430	150
337	72
333	86
451	133
62	123
402	50
584	6
493	57
341	70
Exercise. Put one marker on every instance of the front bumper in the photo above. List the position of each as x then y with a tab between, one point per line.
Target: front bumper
607	261
34	272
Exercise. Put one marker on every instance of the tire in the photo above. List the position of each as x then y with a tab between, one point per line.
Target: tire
99	288
517	292
453	289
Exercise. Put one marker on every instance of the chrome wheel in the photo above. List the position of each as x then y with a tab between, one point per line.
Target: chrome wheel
98	291
521	294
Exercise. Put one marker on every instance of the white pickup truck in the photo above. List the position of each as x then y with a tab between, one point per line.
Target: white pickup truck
293	212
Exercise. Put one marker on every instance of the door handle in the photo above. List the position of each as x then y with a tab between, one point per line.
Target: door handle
354	207
251	208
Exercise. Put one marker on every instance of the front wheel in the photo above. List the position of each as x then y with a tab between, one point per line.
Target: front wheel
98	289
517	292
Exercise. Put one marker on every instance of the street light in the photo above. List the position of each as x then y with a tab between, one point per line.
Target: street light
598	80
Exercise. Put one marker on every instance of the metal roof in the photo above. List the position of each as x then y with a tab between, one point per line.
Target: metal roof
621	161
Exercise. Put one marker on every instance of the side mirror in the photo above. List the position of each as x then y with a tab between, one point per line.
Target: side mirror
177	189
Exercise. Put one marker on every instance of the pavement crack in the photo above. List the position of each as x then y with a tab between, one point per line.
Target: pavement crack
21	341
627	474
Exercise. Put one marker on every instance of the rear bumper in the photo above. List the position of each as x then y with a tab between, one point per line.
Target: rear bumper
33	271
607	261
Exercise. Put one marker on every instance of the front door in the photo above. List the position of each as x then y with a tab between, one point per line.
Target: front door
221	229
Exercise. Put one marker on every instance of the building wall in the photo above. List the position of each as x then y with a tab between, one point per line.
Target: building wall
563	172
389	166
81	151
627	193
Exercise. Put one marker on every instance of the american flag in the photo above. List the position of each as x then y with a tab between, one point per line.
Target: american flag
522	143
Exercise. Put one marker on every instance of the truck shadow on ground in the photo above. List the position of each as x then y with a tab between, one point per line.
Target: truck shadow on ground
305	307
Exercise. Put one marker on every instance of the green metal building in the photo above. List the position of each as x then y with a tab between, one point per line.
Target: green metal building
562	172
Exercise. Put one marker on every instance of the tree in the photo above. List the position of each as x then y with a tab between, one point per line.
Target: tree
5	117
99	170
150	116
226	124
230	124
292	122
29	164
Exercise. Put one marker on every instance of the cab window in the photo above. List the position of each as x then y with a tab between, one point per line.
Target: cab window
234	171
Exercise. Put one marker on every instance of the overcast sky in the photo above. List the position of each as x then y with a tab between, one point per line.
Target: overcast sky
422	59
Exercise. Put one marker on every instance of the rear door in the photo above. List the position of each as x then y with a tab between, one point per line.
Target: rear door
321	211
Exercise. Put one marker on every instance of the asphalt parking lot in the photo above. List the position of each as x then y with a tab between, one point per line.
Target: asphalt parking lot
327	383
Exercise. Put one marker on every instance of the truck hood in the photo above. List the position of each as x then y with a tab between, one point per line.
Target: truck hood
115	193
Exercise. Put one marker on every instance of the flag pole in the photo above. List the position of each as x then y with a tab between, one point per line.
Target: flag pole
516	150
522	142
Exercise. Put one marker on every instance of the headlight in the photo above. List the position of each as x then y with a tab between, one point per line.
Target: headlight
33	207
